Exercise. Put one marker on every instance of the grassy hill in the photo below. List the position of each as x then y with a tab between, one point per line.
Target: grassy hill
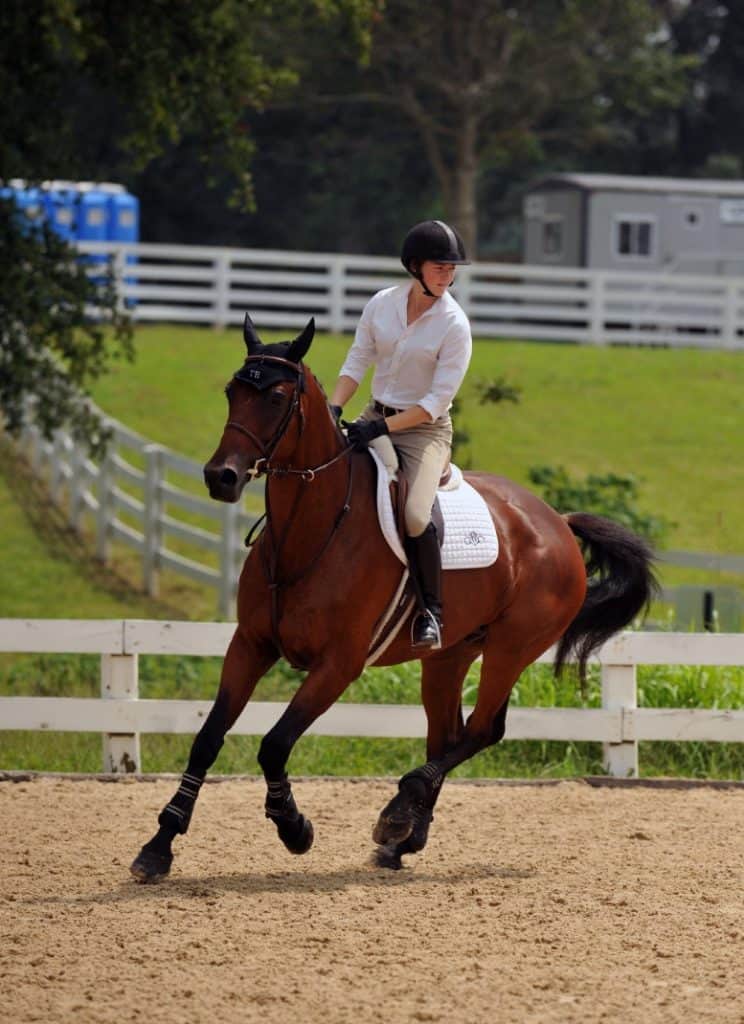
672	417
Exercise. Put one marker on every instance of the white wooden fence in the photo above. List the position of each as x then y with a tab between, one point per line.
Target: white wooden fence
133	496
121	714
202	284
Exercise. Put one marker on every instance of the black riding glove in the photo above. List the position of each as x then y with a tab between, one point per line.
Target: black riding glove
361	432
337	410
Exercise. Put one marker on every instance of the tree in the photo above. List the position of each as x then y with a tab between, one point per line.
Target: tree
93	88
59	329
484	80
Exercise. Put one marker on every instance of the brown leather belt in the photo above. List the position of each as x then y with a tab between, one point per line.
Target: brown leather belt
386	410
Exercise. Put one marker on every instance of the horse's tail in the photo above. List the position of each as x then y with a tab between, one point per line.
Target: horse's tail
621	585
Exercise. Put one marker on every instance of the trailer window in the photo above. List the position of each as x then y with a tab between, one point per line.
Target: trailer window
552	235
634	236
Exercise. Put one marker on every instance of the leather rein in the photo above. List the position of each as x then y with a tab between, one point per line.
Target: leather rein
263	466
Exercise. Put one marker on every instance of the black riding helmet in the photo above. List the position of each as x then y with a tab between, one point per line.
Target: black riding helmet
431	240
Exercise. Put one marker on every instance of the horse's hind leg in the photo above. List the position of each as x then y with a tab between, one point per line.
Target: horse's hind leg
442	677
502	666
243	666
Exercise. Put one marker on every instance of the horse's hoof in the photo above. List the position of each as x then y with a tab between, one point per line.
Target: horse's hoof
297	837
395	823
392	829
388	857
149	866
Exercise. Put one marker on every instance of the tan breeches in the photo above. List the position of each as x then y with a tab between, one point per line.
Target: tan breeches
422	453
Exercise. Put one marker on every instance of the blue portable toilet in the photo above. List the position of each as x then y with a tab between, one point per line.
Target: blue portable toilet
123	223
60	201
92	222
30	201
123	220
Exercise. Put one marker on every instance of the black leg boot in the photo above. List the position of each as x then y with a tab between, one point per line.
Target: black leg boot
426	565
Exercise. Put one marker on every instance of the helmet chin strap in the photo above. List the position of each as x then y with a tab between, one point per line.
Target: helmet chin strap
420	278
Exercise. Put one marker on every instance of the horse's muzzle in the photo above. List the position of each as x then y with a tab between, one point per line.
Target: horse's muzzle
224	481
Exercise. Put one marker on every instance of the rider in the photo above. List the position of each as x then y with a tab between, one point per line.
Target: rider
418	339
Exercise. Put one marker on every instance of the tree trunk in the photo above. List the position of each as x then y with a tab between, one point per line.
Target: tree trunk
462	207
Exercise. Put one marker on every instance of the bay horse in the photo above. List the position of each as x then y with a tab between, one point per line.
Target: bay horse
321	575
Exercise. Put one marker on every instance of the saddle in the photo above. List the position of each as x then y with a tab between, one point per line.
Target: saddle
467	537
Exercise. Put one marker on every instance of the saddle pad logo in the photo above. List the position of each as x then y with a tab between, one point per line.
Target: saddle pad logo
473	538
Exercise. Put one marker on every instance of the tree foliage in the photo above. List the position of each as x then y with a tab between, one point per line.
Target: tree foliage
96	89
59	329
609	494
483	81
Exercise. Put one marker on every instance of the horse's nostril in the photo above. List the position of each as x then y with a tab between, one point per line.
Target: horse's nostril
228	477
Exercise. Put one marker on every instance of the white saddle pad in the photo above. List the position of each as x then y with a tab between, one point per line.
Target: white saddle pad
470	540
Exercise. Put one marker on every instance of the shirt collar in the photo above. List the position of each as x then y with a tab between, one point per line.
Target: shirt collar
405	291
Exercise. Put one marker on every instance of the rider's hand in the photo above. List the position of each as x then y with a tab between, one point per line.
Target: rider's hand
337	410
361	432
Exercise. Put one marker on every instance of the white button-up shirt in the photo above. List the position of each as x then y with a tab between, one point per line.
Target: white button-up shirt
418	364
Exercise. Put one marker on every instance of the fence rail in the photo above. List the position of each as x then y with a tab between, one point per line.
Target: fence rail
131	496
202	284
121	715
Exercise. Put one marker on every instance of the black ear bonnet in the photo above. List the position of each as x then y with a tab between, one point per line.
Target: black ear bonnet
264	374
260	369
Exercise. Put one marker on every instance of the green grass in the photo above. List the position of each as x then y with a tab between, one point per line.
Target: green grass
671	416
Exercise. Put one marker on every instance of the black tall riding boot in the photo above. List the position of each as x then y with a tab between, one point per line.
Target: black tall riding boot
426	566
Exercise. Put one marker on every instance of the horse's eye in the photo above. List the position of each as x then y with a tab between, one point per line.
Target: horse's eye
276	397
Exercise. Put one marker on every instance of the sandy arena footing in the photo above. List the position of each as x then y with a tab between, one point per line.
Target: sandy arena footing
530	905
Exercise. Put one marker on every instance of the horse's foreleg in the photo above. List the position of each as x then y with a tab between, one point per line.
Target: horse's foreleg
404	825
243	666
318	692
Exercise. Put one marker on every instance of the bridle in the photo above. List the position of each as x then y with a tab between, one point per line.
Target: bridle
271	547
262	466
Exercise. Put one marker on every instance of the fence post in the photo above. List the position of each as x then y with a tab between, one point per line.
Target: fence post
228	543
462	288
336	294
222	290
730	310
597	299
619	694
56	475
77	484
151	527
118	263
105	494
120	681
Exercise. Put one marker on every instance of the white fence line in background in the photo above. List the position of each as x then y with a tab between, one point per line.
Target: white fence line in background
142	507
203	284
132	498
121	715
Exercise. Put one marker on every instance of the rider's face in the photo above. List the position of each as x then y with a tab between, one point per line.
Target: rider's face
438	276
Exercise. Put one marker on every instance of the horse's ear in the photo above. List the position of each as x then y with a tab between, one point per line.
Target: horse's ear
252	341
299	347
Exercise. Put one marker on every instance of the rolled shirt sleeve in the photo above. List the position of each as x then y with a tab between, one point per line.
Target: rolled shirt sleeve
452	364
362	353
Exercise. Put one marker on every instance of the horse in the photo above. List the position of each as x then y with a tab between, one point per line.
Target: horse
320	576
